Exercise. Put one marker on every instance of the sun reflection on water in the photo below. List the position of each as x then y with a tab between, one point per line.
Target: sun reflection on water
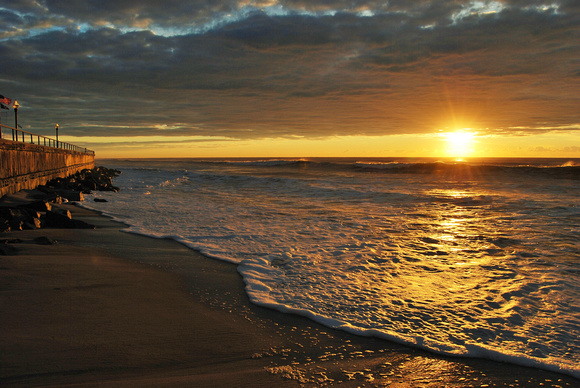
458	226
456	273
449	259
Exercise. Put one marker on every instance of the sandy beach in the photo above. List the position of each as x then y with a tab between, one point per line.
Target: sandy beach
101	307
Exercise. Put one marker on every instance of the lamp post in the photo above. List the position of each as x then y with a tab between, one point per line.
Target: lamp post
56	128
16	106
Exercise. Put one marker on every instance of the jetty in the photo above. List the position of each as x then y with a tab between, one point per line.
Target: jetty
28	160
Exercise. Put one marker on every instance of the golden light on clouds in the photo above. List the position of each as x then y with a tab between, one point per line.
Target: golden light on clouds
452	144
272	78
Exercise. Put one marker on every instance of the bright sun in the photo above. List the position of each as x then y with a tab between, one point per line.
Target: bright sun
459	143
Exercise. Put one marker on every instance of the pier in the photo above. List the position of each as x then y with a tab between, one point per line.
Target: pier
28	160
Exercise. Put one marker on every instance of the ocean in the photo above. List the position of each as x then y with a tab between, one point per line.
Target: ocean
479	258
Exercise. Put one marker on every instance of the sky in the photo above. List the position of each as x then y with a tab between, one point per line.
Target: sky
296	78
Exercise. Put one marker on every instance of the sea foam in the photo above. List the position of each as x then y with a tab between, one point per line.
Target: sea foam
468	261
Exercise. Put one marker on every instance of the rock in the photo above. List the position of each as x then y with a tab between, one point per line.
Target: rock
78	224
71	195
16	224
19	218
63	212
49	194
4	225
41	206
63	219
58	219
86	181
57	191
43	240
34	224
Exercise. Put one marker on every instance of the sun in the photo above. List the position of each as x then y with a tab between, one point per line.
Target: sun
459	143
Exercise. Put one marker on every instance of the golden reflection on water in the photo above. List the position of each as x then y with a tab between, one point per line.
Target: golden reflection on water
459	227
450	283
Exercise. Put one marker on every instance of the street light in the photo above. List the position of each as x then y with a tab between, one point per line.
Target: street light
16	106
56	128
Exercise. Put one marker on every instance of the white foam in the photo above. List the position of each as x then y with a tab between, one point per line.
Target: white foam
255	276
417	260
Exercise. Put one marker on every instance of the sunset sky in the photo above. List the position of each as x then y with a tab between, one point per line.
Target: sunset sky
296	78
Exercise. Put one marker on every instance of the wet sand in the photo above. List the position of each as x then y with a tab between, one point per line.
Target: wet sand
112	309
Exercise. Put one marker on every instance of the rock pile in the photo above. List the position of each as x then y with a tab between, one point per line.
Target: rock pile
73	187
40	212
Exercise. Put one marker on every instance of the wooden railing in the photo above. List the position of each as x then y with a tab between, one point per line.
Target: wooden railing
14	134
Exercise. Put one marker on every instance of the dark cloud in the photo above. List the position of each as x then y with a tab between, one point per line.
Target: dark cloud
139	13
256	69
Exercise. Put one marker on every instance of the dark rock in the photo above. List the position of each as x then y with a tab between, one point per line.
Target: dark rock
71	188
16	224
4	225
43	240
70	195
100	200
78	224
41	206
86	181
34	224
63	219
49	194
57	219
19	218
63	212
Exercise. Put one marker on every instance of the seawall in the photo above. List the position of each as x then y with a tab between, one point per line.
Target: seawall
26	166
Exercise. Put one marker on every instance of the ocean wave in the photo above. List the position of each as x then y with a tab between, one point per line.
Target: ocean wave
260	162
568	170
552	168
342	240
257	278
382	165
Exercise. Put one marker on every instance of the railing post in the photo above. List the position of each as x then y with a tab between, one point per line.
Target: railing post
46	141
16	105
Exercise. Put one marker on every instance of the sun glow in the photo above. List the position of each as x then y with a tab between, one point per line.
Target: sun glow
459	143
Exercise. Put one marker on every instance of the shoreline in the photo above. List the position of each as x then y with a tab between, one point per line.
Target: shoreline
124	309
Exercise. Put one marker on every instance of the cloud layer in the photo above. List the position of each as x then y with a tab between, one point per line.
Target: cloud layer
262	69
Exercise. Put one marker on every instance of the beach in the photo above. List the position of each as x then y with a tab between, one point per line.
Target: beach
101	307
